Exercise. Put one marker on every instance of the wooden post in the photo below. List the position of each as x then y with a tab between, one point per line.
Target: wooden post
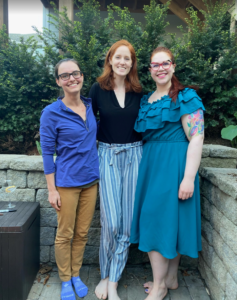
233	12
4	13
69	4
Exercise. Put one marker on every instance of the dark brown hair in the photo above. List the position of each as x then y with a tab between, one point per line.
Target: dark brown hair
106	80
62	61
176	86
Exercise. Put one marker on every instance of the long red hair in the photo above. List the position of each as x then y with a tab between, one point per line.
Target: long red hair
176	86
106	80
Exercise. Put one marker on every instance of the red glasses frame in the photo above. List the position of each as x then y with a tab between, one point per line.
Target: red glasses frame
160	65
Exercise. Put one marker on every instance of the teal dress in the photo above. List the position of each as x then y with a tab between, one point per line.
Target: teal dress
161	221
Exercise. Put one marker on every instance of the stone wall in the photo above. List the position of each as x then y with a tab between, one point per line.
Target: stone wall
26	172
218	259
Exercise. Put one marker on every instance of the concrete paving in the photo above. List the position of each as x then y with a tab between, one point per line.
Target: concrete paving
191	285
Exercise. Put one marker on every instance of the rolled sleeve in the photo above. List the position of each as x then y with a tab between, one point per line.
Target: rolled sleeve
48	137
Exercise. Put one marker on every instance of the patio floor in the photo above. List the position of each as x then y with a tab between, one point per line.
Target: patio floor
191	286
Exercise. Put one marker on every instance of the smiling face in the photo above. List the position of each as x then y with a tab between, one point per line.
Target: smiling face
72	85
121	62
162	77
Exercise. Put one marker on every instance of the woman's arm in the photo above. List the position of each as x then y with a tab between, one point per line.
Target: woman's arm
48	136
54	197
193	125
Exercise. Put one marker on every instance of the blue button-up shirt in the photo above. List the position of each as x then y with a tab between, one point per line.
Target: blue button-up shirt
74	141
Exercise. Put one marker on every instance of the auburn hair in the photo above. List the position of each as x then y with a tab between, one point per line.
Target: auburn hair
176	85
106	80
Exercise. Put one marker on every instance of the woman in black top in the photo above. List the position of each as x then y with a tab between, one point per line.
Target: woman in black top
116	96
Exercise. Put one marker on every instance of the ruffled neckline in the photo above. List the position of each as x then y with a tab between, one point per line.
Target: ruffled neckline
154	115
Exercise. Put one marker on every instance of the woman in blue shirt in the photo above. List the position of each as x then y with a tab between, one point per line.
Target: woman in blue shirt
69	127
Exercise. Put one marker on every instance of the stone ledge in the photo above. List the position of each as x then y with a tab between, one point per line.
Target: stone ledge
224	179
219	151
28	163
6	159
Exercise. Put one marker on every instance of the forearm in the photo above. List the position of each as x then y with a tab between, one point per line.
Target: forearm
50	182
194	155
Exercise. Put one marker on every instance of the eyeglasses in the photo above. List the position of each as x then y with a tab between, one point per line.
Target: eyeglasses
66	76
165	65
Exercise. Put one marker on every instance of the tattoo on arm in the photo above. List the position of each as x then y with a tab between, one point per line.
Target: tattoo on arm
195	123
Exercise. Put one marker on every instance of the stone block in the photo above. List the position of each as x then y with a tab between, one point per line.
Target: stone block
216	218
224	179
136	256
27	163
228	232
18	178
188	262
207	252
206	188
213	285
96	220
225	204
219	270
47	236
36	180
198	293
231	288
193	280
207	231
201	267
44	254
25	195
205	208
6	159
8	196
205	151
3	176
227	256
94	237
181	293
221	151
48	217
218	162
91	255
42	198
52	254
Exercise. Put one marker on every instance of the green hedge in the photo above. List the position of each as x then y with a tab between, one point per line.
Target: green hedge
206	55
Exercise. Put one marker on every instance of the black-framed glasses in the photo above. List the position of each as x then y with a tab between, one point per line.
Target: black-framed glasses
66	76
165	65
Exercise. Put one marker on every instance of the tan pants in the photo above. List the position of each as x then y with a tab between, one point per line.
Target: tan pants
74	220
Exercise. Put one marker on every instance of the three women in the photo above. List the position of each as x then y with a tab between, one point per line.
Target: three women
171	123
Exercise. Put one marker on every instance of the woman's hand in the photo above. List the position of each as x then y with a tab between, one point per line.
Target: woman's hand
186	188
54	199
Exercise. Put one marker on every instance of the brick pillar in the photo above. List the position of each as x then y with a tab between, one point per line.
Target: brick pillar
4	13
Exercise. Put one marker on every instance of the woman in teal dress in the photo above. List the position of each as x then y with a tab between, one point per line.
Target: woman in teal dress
167	219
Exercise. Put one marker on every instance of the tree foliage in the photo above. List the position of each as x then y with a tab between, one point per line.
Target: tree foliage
25	80
206	56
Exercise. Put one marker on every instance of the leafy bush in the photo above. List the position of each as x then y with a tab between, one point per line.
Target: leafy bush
230	133
206	56
25	80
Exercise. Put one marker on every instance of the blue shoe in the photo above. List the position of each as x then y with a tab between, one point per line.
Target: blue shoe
80	288
67	292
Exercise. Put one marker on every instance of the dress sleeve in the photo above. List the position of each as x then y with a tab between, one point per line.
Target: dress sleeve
48	137
188	102
92	95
